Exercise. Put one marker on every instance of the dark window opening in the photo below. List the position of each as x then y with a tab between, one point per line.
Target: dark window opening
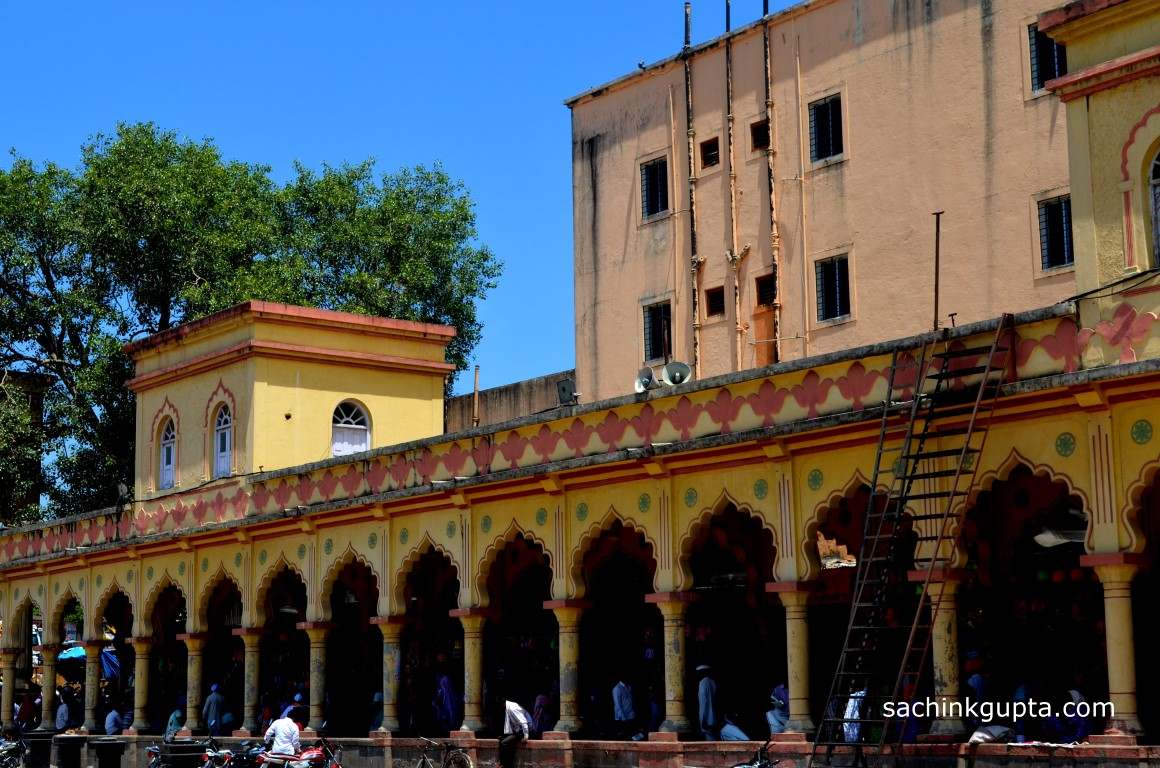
657	331
1048	58
766	290
759	135
715	301
654	187
832	278
1055	246
826	128
710	152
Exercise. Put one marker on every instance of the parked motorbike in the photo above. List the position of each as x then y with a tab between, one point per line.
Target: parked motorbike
249	754
12	753
760	758
322	755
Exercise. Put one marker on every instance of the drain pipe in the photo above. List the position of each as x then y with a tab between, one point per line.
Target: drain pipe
733	256
695	261
803	222
774	236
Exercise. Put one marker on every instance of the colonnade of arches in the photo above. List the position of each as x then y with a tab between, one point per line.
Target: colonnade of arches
437	666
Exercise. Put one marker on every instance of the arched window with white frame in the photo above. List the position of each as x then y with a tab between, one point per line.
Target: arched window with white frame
223	442
167	456
350	430
1154	199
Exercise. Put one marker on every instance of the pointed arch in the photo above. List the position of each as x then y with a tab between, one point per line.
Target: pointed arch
271	573
1145	481
425	544
221	394
349	556
149	604
483	568
211	584
68	594
21	612
706	515
575	574
820	514
102	605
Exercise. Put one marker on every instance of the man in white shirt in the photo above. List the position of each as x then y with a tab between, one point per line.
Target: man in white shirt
517	727
283	732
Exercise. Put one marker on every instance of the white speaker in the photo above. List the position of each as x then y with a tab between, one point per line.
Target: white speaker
645	380
676	373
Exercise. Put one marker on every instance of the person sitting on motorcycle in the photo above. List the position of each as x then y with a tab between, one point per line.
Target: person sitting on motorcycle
282	736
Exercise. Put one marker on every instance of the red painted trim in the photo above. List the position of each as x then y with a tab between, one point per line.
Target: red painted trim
1132	139
1075	10
1097	85
670	597
1111	558
567	603
1129	255
457	613
314	625
791	586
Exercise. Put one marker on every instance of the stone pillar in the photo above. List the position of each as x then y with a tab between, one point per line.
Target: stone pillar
1116	572
672	606
392	629
250	714
48	692
944	649
568	618
92	685
141	649
794	596
472	620
8	673
193	644
317	633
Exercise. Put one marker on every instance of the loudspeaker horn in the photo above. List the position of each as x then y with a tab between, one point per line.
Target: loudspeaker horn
676	373
645	380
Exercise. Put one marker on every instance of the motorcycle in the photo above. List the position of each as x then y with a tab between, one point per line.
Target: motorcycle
760	758
322	755
12	753
250	754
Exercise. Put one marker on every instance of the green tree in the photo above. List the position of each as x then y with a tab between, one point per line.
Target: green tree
21	438
152	230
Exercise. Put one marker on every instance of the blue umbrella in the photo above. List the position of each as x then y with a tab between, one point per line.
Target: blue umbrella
72	654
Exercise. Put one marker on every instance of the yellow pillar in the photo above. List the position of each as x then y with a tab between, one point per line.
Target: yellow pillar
797	651
1116	573
472	667
193	644
92	684
944	648
8	672
141	649
250	713
568	618
317	634
48	691
392	629
672	606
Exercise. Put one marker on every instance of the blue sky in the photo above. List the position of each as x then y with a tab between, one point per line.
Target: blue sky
477	86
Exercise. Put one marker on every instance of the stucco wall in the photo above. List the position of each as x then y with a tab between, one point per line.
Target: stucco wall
511	401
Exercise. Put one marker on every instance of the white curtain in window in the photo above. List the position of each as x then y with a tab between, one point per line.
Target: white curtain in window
349	439
168	451
223	441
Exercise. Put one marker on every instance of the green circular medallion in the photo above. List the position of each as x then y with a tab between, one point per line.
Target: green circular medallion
485	523
761	488
328	546
372	540
180	569
204	564
1141	431
262	557
644	503
404	535
1065	444
238	560
581	511
301	551
541	516
690	497
814	479
451	529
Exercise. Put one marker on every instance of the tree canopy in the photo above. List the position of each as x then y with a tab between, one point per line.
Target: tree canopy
152	230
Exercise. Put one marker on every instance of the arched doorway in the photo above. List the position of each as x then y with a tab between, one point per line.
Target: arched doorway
734	627
520	652
354	653
285	649
1030	618
117	659
27	632
70	664
224	655
432	646
620	634
1145	596
167	659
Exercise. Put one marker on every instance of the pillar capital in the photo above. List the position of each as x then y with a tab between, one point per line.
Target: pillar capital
193	641
472	619
315	630
792	594
141	644
390	626
251	636
567	612
1113	568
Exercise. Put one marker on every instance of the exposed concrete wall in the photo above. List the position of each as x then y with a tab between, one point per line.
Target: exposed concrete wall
938	113
511	401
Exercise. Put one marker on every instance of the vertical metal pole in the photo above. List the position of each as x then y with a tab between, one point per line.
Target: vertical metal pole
937	235
475	401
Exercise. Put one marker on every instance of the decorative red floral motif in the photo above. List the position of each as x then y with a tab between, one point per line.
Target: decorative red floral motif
647	423
22	545
110	529
261	497
545	442
513	448
303	489
857	384
905	375
376	475
611	430
199	511
126	525
9	547
1126	327
351	480
426	465
1061	345
812	392
218	507
326	485
683	416
400	471
241	503
455	459
577	436
767	402
724	409
178	513
282	494
482	454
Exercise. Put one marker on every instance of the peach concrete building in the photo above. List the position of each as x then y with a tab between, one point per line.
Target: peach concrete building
882	113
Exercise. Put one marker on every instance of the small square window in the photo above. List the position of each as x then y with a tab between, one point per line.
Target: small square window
759	135
826	128
832	281
1048	58
714	301
658	331
1055	246
654	187
766	287
710	152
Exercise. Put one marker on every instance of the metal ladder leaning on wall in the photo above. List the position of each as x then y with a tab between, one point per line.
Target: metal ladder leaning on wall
933	427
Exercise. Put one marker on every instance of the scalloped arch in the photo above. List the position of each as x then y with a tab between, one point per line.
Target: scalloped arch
220	575
26	603
149	604
102	605
685	547
576	583
53	625
509	535
267	579
348	556
1147	479
425	543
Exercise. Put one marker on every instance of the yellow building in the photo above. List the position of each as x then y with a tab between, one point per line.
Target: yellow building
325	538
